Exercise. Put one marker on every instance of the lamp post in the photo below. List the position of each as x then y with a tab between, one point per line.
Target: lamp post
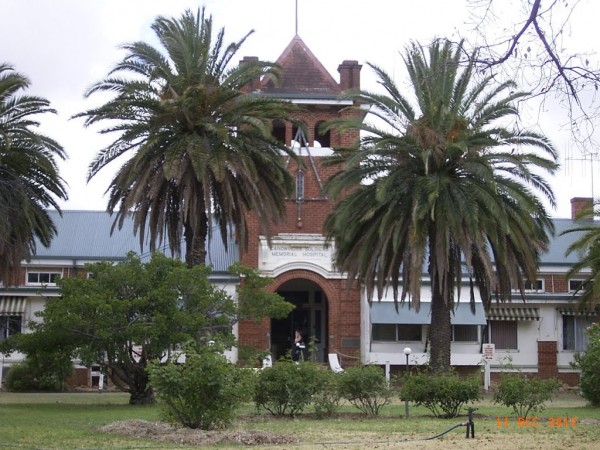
407	352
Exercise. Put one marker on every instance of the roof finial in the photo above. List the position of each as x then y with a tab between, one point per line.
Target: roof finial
296	17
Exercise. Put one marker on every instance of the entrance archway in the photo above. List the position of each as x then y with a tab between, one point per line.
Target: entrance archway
309	316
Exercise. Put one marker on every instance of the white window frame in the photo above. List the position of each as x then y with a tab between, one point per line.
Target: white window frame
39	272
539	282
579	338
5	330
580	281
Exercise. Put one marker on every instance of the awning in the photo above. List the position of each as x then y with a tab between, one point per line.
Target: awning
385	312
12	305
577	312
513	314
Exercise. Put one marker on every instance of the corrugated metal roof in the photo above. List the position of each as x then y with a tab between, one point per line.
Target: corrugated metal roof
85	235
556	253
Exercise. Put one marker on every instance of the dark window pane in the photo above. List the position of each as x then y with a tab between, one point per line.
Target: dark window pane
384	332
409	332
465	333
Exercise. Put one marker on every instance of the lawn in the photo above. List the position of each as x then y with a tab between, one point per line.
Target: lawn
72	421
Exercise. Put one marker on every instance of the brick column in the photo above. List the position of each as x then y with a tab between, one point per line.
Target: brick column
547	367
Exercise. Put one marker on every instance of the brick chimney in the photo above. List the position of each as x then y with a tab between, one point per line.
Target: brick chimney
254	85
349	74
579	204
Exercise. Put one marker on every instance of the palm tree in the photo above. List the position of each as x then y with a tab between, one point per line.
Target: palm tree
587	245
200	147
29	178
443	187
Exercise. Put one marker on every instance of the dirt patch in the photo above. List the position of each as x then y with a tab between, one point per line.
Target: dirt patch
162	431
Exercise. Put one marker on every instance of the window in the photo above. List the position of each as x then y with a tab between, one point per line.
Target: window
393	333
407	332
503	334
9	326
538	286
465	333
39	278
384	332
574	336
576	285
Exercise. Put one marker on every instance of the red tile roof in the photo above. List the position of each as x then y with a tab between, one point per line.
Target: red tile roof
302	73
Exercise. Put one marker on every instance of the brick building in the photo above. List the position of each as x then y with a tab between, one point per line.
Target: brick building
538	335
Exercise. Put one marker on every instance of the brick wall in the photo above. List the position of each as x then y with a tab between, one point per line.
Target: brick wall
547	367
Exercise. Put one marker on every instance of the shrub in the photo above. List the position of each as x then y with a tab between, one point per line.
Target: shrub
327	400
366	388
39	373
287	388
443	395
589	364
523	394
204	392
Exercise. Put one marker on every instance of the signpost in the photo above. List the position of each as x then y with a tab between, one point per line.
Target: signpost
488	356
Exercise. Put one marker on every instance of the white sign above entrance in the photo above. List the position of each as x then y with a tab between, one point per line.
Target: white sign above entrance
295	251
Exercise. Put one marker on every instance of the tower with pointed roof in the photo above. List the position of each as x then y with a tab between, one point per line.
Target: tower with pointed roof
299	259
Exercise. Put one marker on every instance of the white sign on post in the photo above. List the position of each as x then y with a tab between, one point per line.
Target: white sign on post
488	356
488	351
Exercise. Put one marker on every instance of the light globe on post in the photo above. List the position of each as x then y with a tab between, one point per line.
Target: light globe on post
407	352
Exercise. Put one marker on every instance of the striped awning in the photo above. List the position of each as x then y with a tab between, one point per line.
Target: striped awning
12	305
577	312
513	314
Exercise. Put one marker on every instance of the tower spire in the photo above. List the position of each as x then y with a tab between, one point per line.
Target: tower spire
296	18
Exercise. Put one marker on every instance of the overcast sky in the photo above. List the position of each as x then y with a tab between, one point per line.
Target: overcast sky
64	46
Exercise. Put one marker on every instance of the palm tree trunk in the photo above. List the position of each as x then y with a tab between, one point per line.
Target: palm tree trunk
440	333
195	240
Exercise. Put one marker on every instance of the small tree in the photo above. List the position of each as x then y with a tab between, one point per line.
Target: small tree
366	388
523	394
444	395
589	364
125	315
287	388
203	392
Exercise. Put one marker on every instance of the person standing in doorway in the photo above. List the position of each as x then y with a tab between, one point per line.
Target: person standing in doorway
299	347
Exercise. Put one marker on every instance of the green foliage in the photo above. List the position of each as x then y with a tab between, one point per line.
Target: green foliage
327	400
589	364
366	388
442	146
254	302
443	394
30	183
204	392
523	394
39	372
127	314
287	388
199	146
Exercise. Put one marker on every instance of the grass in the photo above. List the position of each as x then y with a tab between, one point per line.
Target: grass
71	421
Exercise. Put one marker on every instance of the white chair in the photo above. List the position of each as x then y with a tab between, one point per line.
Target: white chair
334	363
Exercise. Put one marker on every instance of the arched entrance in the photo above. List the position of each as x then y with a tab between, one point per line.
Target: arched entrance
309	316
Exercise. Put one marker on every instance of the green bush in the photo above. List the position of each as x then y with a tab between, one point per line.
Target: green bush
204	392
366	388
38	373
443	395
287	388
327	400
589	364
523	394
